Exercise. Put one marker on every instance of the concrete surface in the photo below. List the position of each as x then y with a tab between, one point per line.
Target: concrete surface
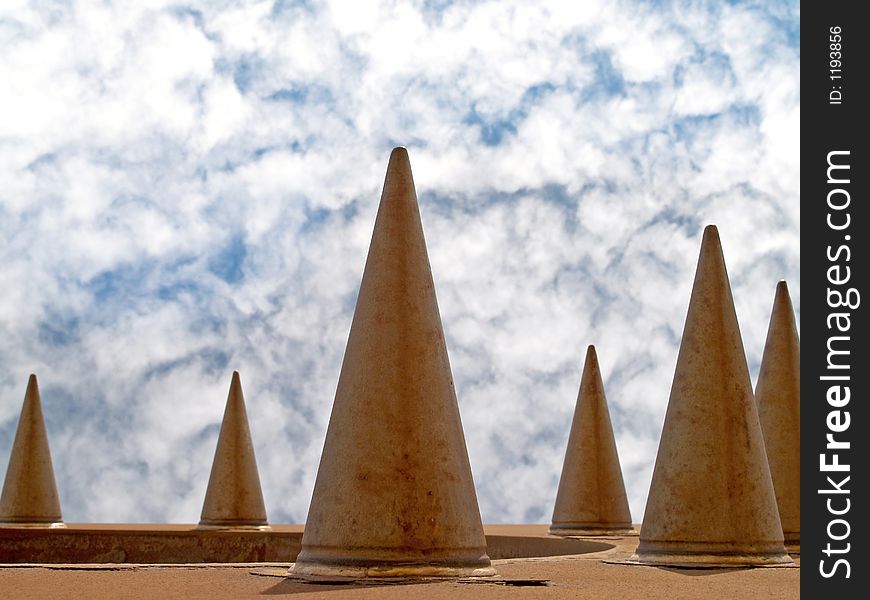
581	576
179	544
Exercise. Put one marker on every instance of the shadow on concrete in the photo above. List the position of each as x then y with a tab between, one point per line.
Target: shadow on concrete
298	586
703	571
290	585
509	546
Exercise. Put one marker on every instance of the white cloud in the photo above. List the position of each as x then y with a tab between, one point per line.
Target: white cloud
188	190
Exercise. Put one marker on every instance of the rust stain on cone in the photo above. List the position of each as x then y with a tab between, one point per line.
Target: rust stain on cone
591	497
394	494
778	394
234	497
711	499
29	496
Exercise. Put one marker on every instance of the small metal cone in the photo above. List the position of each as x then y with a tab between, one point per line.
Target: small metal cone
591	497
394	495
234	497
711	500
29	492
778	394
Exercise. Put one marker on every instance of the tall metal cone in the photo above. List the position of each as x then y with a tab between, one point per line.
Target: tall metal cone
234	497
778	394
394	494
29	492
591	497
711	499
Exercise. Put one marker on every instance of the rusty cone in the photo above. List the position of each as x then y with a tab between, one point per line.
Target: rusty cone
29	492
591	498
778	394
234	497
711	500
394	496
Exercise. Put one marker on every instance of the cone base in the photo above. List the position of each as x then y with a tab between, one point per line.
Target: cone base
30	524
324	562
793	541
698	554
235	525
569	529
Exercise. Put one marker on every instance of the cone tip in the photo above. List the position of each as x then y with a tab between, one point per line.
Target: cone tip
591	364
32	386
711	235
782	298
235	384
399	159
711	244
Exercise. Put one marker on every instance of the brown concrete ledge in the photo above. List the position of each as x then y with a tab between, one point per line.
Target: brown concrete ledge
592	574
183	544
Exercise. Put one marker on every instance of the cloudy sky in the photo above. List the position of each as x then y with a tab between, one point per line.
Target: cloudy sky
189	188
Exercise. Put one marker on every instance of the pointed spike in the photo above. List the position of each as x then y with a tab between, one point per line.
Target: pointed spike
778	394
394	495
711	499
399	161
234	497
29	492
591	498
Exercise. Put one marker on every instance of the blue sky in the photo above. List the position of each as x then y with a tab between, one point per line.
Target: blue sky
189	188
